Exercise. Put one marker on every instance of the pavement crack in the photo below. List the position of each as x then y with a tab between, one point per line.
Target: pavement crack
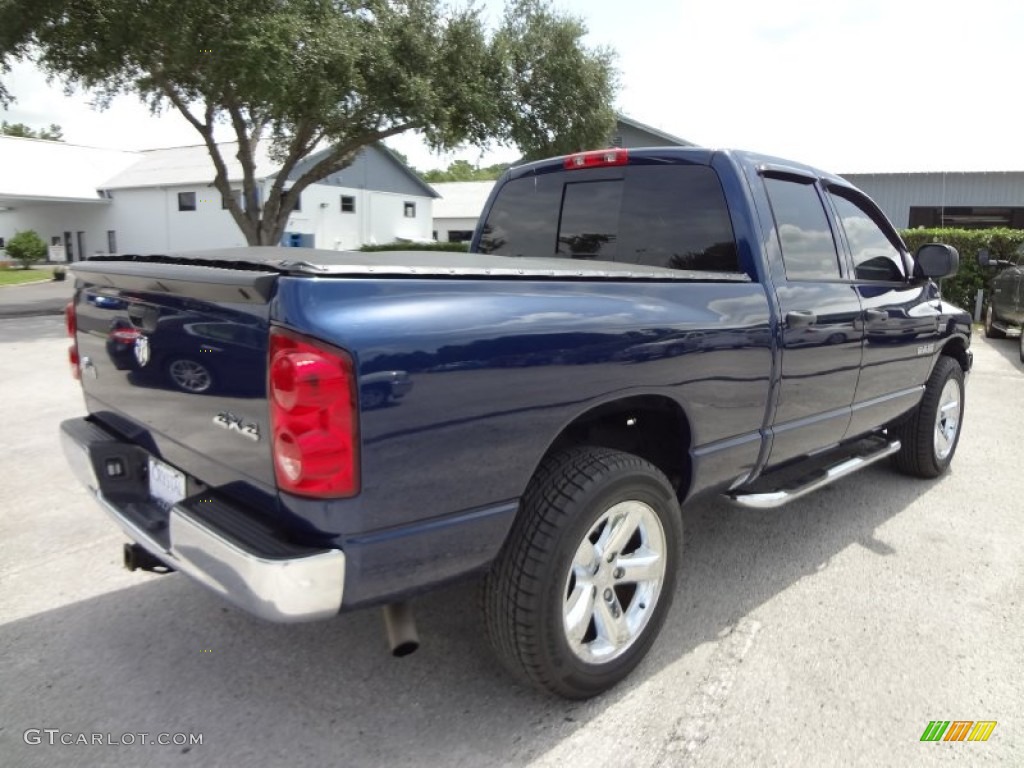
705	704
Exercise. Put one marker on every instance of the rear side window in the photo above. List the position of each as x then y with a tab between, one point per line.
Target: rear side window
808	248
662	216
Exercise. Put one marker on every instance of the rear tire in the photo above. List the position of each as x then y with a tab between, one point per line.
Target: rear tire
930	436
582	586
1021	340
991	332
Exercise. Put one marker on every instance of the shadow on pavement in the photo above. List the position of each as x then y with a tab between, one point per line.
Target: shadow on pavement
168	656
1008	348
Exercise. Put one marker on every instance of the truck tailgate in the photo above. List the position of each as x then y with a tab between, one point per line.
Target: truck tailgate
174	357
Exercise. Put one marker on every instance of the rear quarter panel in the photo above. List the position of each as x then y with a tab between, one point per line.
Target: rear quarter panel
499	368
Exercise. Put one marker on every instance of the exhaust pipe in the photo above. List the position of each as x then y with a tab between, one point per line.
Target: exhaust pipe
401	628
137	558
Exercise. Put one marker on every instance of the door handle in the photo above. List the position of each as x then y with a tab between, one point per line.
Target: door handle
875	315
800	318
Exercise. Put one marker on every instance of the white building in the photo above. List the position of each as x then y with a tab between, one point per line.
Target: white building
85	200
457	210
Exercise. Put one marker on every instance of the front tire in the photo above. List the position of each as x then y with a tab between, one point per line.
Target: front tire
991	332
1021	341
584	582
930	436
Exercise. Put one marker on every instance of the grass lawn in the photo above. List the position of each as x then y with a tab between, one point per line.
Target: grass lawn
16	276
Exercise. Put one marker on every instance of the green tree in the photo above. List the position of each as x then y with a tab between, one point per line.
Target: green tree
53	133
27	247
327	75
461	170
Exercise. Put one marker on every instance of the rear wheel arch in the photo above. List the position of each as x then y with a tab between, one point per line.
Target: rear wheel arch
653	427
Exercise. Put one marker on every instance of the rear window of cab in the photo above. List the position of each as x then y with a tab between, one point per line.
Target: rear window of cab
672	216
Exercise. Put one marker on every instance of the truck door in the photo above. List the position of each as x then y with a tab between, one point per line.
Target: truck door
820	311
1017	308
900	318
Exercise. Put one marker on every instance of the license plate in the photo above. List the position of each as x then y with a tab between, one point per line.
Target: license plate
166	484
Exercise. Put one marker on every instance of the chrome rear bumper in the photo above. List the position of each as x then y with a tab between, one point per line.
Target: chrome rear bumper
292	587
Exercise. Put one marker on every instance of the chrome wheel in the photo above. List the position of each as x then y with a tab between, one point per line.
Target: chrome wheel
947	420
190	376
614	582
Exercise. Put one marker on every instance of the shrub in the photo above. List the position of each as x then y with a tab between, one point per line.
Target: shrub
455	247
961	289
26	247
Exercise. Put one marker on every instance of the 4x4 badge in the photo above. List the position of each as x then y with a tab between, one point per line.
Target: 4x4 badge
227	420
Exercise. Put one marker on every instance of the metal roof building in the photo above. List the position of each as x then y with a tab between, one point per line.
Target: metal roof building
969	199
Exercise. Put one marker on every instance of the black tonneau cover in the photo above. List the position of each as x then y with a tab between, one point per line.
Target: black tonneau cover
216	265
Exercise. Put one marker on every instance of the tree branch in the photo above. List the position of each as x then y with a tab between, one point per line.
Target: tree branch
247	158
338	159
220	181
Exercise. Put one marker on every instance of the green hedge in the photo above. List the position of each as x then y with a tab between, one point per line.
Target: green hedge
456	247
961	290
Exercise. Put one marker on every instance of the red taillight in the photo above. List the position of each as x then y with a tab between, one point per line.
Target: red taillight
125	335
71	324
313	417
600	158
70	321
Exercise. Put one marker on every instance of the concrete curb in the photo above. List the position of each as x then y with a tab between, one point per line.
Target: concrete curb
34	312
30	282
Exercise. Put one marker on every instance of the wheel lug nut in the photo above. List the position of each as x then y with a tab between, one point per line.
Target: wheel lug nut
609	595
618	573
612	556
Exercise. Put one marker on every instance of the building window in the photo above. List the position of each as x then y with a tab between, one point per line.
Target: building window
966	217
111	241
237	195
410	210
186	201
348	204
460	235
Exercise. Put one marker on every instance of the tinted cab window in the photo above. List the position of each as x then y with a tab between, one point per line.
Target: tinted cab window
665	216
875	255
808	248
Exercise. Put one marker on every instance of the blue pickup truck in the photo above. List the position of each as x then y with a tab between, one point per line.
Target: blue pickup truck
632	330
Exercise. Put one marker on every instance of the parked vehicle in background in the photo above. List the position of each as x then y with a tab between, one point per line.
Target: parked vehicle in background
631	330
1004	314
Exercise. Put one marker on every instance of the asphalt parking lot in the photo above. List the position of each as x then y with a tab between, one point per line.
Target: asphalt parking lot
829	632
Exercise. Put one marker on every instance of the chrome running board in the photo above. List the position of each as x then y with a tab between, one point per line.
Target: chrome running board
817	479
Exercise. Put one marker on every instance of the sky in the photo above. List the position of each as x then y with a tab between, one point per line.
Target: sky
849	86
